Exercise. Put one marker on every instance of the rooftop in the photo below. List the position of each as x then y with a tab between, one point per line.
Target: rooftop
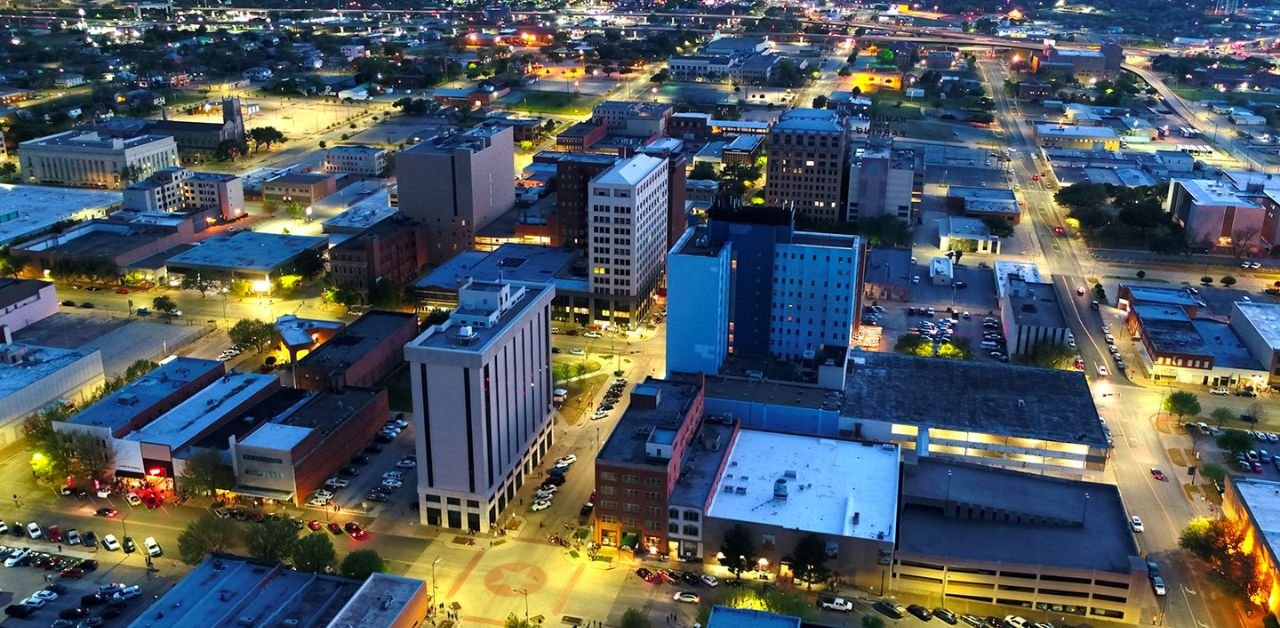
1263	317
450	335
99	238
1262	499
1211	192
280	402
92	140
17	290
888	266
629	171
1168	329
362	214
966	228
809	120
1076	132
475	140
1153	293
249	251
379	602
809	483
22	365
1047	404
745	143
697	242
224	589
356	149
296	332
1046	520
1035	305
358	339
725	617
117	409
29	209
512	262
629	440
299	178
980	199
204	410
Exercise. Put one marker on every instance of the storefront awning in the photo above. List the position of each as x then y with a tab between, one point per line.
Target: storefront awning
265	493
630	539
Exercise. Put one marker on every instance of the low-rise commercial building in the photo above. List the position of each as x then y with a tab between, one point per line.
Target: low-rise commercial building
26	301
1078	137
1253	507
305	188
144	399
1048	423
27	211
293	453
391	251
982	202
33	377
183	190
361	354
1257	325
888	276
1215	214
1200	351
249	255
1130	294
104	242
969	235
227	590
89	159
1032	316
997	541
359	160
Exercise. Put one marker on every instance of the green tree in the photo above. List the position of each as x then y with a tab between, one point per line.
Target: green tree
164	304
1206	280
314	553
738	550
913	344
251	332
635	618
272	541
1234	441
820	101
1049	356
517	621
204	536
196	282
809	559
229	150
1228	281
1182	403
1213	471
1223	415
999	227
295	210
361	564
703	170
204	472
1082	195
93	458
265	137
1270	621
872	621
1142	274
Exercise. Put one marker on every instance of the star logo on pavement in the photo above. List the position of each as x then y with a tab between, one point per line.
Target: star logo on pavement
502	579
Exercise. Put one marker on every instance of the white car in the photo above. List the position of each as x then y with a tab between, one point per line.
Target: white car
34	531
72	537
318	501
686	596
153	548
1220	390
600	414
543	496
541	504
566	460
4	528
577	351
393	475
1157	584
709	580
591	334
401	423
133	499
1015	621
34	602
337	482
392	483
1135	522
110	543
16	557
407	463
549	488
104	493
128	593
45	595
1102	371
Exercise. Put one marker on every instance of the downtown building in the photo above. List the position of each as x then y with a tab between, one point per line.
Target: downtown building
749	284
182	190
482	387
806	168
455	184
80	158
883	181
627	222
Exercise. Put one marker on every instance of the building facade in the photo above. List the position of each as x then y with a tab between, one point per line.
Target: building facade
574	173
305	188
455	185
26	301
393	250
627	221
698	303
182	190
359	160
88	159
482	406
1215	214
806	167
882	182
362	354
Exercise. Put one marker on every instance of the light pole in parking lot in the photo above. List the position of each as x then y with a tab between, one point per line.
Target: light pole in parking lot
526	601
435	588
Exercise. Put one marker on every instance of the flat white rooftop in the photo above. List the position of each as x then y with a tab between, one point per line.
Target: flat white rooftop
183	424
27	364
629	172
361	214
831	486
1082	132
1265	319
1211	192
28	209
1263	499
277	436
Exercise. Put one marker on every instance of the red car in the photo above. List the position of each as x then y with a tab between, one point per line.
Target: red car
335	528
122	291
1159	475
356	531
667	576
1059	230
1035	177
53	534
314	525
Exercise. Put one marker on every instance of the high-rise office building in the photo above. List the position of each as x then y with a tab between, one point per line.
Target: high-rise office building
627	223
672	150
455	184
807	152
574	172
748	284
882	180
482	395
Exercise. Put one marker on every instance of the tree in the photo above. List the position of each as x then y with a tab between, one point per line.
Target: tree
1182	403
913	344
314	553
164	304
738	550
809	559
1270	621
1206	280
93	458
516	621
251	332
204	536
703	170
196	282
1142	274
634	618
1228	281
1082	195
265	137
999	228
204	473
272	540
360	564
872	621
229	150
1223	415
1213	471
820	101
295	210
1234	441
1048	355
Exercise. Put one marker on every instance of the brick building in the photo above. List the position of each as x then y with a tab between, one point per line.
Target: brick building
359	355
393	250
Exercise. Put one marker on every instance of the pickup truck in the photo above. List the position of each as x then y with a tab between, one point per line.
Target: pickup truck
837	604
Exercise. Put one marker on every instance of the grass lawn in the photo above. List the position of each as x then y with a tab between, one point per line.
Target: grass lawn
573	366
926	130
896	106
562	103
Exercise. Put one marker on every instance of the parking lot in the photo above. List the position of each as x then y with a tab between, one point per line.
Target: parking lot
76	584
359	485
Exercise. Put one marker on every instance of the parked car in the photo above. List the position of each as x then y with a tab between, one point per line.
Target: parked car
153	548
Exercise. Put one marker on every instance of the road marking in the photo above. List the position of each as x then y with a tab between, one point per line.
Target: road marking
466	572
568	590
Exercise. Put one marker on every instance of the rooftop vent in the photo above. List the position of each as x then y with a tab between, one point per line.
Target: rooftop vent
780	489
466	335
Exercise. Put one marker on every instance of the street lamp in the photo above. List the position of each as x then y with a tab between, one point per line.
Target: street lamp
526	601
435	589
